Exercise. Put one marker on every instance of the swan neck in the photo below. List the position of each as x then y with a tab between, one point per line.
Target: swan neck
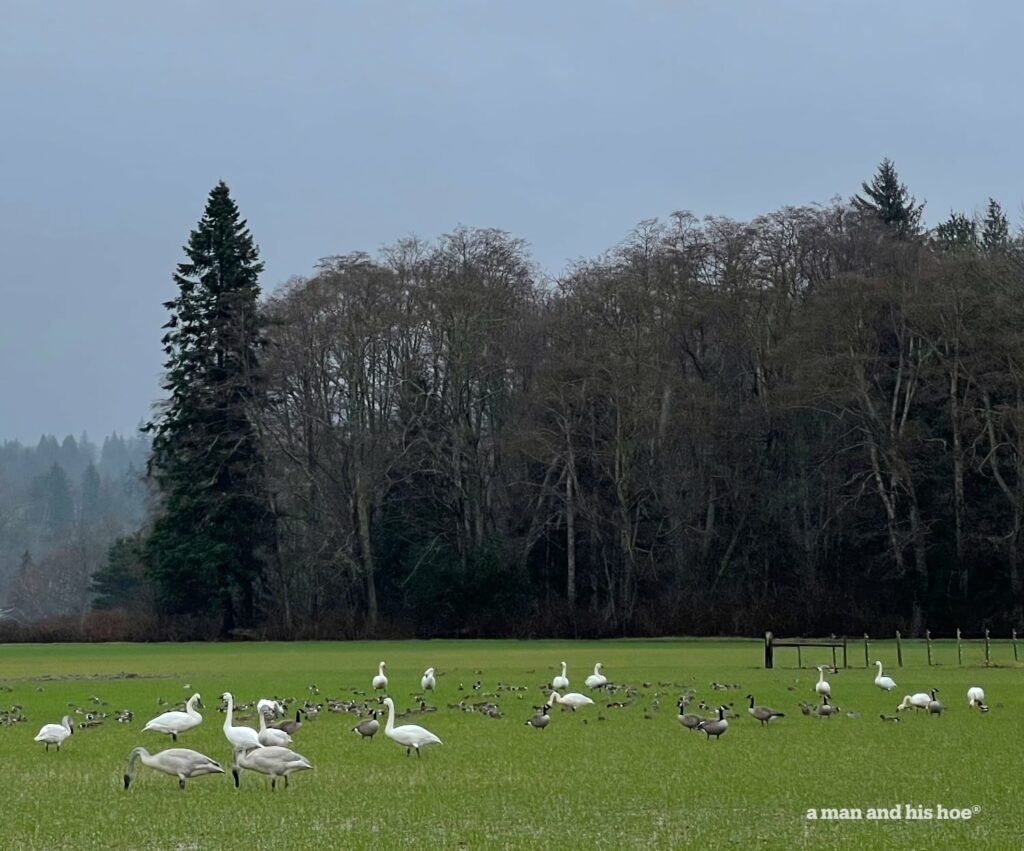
229	715
390	725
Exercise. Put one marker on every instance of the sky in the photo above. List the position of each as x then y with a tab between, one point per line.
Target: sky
343	126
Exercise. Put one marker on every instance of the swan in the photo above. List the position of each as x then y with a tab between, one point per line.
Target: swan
975	696
596	679
271	735
715	726
176	721
574	700
884	683
273	761
916	701
409	736
275	707
240	737
427	682
54	734
823	688
560	682
380	681
180	762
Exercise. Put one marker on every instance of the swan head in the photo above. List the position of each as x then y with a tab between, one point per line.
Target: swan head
226	696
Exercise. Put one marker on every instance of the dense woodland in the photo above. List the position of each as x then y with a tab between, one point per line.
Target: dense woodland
809	422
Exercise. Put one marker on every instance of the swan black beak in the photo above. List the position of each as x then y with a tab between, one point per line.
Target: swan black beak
234	773
127	781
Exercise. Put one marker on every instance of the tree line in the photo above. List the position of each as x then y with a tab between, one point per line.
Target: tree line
812	421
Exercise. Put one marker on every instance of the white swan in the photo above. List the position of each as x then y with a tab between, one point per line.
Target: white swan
176	722
560	682
380	681
596	679
427	682
915	701
273	761
409	736
975	696
271	735
884	683
574	700
823	688
275	707
240	737
55	734
180	762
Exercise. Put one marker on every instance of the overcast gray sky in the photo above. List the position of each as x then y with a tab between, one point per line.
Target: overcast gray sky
343	126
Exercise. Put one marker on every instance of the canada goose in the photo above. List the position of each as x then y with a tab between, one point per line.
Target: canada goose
561	681
409	736
916	701
176	722
763	713
689	721
574	700
884	683
289	726
368	727
180	762
540	719
890	717
825	709
271	735
822	688
273	761
55	734
244	737
975	696
380	681
805	707
715	726
934	705
596	679
427	682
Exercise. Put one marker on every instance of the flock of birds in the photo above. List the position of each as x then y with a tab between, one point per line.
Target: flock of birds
268	750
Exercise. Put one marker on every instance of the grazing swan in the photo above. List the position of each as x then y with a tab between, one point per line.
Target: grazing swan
915	701
271	735
380	681
273	761
823	688
574	700
368	727
240	737
763	713
596	679
560	682
176	722
884	683
975	696
427	681
409	736
934	705
180	762
715	726
54	734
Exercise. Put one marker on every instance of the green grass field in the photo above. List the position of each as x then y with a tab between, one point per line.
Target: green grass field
600	778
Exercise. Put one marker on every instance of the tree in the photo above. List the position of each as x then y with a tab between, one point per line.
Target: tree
214	524
995	230
890	201
958	233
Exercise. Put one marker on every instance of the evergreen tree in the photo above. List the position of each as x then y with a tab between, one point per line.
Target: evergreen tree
995	230
890	201
957	233
121	582
204	550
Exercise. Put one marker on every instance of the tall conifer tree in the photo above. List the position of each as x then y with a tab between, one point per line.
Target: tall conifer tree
890	201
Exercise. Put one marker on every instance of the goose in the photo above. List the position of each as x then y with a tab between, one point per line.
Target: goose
934	705
540	718
409	736
715	726
560	682
823	688
368	727
890	717
826	709
271	735
180	762
274	706
596	679
289	726
55	734
427	681
915	701
574	700
689	721
763	713
975	696
884	683
239	737
176	722
380	681
273	761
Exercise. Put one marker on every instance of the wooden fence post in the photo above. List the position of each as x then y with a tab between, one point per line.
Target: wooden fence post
988	654
834	668
899	649
959	649
844	652
867	664
928	641
768	650
1014	639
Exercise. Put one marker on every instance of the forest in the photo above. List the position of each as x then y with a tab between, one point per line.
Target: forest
810	422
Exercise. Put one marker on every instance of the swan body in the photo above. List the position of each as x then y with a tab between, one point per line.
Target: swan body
823	688
380	681
271	736
409	736
915	701
975	696
884	683
179	762
427	681
239	737
574	700
55	734
273	761
561	681
274	706
176	722
596	679
715	726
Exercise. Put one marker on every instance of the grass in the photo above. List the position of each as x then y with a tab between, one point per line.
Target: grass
625	781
